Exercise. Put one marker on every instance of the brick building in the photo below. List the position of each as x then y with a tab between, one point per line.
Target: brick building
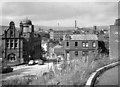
58	34
80	46
114	46
21	45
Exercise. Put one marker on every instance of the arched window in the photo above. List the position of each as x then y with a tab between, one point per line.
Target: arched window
94	44
11	57
11	32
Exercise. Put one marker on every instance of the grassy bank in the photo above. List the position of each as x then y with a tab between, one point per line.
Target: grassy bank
74	72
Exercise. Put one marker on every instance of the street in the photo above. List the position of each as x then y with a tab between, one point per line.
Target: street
24	70
110	77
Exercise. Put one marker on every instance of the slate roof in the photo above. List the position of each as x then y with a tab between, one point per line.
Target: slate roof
84	37
58	46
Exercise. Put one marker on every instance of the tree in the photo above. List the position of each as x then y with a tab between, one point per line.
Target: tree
102	48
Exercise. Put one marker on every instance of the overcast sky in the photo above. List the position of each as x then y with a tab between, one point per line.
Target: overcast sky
64	13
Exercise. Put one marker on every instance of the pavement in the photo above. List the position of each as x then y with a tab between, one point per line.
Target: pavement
109	77
24	70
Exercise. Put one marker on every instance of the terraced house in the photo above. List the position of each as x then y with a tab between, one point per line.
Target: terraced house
80	46
21	45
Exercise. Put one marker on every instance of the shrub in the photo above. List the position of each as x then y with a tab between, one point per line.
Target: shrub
75	72
18	80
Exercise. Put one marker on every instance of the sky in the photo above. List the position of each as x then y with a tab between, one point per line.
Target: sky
64	13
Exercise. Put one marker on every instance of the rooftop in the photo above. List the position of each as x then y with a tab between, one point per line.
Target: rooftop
84	37
58	46
27	21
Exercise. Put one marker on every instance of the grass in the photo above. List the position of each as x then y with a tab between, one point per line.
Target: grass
18	80
75	72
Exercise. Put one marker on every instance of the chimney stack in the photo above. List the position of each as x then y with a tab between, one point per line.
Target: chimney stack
75	24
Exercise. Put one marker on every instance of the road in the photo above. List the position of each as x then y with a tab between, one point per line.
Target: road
109	77
24	70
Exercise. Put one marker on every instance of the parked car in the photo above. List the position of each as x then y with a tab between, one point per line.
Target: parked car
41	62
31	62
36	61
5	69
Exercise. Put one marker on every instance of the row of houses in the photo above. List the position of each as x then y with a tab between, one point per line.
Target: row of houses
76	46
83	45
58	34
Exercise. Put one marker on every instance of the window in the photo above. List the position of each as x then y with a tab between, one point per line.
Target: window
84	53
7	43
11	32
67	51
67	44
85	44
11	43
76	43
76	53
16	44
94	44
11	57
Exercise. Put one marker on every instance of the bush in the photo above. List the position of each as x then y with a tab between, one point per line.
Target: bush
75	72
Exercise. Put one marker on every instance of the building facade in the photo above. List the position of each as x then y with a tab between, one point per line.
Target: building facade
80	46
114	46
12	45
58	34
21	45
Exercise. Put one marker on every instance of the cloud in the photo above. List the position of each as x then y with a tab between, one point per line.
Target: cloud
66	12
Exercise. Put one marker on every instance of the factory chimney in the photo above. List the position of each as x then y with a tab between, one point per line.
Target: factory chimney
75	24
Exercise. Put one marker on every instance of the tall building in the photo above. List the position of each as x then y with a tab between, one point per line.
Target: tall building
21	45
114	46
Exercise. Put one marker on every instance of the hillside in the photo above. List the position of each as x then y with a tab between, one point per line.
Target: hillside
100	27
54	28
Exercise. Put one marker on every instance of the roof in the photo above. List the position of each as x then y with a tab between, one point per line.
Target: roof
2	28
27	21
84	37
117	22
58	46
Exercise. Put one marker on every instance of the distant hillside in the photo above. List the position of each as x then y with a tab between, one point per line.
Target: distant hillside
54	28
100	27
45	28
67	28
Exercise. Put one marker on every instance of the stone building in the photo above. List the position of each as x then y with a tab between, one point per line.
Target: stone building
114	39
21	45
80	46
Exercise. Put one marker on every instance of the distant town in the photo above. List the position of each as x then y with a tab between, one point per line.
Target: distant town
42	55
20	45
